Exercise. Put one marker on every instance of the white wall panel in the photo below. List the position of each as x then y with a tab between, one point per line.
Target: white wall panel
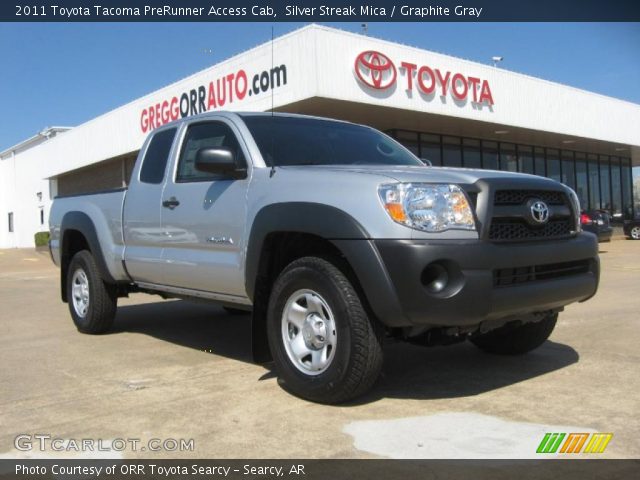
519	100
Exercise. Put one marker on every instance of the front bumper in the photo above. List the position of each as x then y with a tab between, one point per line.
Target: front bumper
398	295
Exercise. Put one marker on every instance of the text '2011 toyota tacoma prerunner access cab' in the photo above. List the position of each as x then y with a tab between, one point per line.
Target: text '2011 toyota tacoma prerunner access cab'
335	237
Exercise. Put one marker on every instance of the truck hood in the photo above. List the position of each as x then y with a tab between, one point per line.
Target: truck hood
402	173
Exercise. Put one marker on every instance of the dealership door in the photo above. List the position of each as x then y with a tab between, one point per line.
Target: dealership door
203	221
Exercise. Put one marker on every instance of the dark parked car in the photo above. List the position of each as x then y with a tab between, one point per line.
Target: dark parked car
598	222
632	228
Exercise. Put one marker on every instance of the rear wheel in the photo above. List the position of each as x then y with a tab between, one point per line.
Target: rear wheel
323	343
516	340
92	302
634	233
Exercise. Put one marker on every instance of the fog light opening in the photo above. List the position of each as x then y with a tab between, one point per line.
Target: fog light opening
435	278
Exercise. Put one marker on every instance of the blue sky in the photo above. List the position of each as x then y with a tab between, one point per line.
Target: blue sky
66	74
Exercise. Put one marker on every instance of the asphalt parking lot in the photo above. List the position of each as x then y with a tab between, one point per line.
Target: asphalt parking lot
176	370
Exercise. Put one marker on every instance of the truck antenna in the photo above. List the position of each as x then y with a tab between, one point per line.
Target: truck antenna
273	160
272	69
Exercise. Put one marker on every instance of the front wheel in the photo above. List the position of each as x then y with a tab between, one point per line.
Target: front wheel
325	347
516	340
92	301
634	233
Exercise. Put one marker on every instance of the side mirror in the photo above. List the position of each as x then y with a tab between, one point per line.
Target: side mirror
219	161
427	162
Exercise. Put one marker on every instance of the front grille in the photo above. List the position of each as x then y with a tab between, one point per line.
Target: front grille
511	213
505	277
517	197
502	230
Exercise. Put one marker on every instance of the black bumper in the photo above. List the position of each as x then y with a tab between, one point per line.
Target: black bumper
393	276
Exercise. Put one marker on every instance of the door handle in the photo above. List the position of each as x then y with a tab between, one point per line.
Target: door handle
171	203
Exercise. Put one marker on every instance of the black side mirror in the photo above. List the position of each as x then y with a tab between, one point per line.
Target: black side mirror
219	161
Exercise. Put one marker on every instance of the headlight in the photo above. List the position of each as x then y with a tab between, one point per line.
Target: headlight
575	202
427	207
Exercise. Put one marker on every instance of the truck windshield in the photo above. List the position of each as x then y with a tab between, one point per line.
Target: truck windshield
305	141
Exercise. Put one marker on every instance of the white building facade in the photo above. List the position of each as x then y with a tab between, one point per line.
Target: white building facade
452	111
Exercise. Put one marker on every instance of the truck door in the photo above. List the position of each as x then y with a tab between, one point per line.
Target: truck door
204	216
142	208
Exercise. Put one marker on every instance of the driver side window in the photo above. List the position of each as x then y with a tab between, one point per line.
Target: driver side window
205	135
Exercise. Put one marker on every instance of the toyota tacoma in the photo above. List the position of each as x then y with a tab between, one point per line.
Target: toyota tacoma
335	237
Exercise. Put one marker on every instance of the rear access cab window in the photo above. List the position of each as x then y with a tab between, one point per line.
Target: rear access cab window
156	157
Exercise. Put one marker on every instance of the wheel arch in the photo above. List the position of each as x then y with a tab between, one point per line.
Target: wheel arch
283	232
77	232
321	221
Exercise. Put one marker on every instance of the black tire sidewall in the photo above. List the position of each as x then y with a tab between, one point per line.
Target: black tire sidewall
90	322
292	280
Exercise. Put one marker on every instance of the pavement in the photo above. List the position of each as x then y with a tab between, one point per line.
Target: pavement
178	370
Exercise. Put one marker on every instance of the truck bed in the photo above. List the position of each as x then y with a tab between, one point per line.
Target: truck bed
105	211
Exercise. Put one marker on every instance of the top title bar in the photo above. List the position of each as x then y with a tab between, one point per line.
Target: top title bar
319	11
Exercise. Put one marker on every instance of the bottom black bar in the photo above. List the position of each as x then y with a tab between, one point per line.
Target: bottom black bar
319	469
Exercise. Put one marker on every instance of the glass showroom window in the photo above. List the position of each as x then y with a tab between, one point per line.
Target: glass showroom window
430	148
605	184
594	182
409	140
616	190
471	153
627	197
490	155
508	159
540	167
582	180
451	152
568	174
553	165
525	159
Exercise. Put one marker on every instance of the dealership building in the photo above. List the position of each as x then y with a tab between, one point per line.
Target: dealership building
451	111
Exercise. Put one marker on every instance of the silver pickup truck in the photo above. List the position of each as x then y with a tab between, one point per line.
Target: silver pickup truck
335	237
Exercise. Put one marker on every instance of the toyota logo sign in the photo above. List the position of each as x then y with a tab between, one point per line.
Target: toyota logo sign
539	212
378	72
375	70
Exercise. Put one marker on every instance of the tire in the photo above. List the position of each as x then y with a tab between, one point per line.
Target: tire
94	306
634	233
236	311
510	340
344	346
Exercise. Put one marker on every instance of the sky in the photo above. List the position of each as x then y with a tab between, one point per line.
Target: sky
63	74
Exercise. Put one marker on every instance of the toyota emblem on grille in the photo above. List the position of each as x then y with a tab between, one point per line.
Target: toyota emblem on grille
539	212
